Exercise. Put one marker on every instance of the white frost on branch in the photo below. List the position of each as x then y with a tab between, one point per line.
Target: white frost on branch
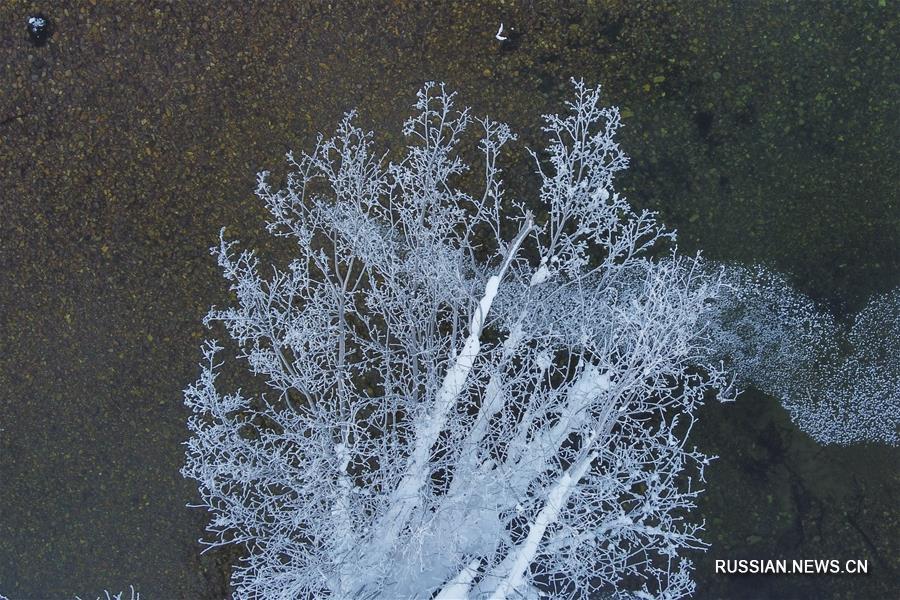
107	596
840	384
468	400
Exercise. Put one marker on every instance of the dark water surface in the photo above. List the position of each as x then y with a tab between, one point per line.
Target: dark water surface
763	131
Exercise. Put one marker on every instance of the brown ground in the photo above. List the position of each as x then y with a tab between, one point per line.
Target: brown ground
762	130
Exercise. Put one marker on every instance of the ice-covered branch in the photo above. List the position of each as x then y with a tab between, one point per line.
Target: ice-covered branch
840	382
456	412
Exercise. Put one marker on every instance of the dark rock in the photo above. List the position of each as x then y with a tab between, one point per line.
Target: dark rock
39	29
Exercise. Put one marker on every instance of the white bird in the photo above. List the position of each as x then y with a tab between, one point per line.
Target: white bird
500	35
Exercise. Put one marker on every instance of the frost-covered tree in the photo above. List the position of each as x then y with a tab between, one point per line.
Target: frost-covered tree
468	399
841	384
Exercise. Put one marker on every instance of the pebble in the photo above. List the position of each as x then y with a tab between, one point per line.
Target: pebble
39	29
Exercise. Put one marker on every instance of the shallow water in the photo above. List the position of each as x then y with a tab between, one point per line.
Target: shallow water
762	131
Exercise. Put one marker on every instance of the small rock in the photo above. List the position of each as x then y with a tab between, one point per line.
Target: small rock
39	29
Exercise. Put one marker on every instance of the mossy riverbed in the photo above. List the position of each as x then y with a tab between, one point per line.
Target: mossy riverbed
763	131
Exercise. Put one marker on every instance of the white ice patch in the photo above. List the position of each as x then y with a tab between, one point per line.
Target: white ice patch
540	276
